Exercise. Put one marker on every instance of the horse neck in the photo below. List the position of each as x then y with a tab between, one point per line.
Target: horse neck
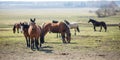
26	27
93	21
67	29
46	29
68	32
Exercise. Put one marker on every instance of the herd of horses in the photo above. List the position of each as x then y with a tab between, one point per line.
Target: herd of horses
35	34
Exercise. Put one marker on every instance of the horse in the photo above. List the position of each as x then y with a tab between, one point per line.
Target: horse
55	21
24	29
34	32
73	25
59	27
16	26
96	23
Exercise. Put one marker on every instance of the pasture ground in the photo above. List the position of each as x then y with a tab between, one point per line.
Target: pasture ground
87	45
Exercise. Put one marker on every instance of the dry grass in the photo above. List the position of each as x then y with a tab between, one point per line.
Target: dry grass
87	45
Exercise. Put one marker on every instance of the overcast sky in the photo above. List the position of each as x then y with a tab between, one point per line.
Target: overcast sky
59	0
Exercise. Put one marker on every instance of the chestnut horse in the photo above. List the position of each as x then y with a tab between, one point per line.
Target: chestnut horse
16	26
34	33
59	27
24	28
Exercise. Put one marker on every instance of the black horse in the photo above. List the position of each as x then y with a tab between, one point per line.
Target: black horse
96	23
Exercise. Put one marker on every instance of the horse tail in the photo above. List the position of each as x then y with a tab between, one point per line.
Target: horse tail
104	25
42	37
78	29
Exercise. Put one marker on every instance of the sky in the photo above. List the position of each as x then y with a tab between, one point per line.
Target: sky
7	4
59	0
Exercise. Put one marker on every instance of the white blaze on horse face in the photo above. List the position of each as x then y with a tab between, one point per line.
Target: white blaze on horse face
21	28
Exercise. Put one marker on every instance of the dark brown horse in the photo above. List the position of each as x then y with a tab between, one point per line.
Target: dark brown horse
59	27
96	24
16	26
24	28
34	33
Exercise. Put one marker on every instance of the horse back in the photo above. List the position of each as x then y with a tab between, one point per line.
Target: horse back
55	27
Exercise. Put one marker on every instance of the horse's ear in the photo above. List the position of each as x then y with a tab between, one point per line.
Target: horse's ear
34	19
31	20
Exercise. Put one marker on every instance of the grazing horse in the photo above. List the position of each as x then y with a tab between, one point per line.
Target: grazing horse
16	26
59	27
34	33
96	23
24	28
73	25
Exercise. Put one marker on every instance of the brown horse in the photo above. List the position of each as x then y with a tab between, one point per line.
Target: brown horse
24	28
59	27
16	26
34	33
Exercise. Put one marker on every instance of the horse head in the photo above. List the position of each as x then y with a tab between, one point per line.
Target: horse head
89	20
24	26
68	37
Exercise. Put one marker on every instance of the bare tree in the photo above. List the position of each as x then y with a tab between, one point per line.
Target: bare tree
108	10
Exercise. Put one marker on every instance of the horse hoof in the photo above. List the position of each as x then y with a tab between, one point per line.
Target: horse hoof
37	49
33	49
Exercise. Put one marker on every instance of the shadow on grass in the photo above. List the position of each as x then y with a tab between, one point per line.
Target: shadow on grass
60	43
45	49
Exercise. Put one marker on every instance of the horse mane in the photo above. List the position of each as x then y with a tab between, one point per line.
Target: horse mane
67	30
67	26
66	22
93	20
43	24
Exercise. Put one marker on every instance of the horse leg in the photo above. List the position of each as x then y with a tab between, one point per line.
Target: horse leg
27	41
100	28
57	35
75	32
119	27
32	43
63	37
94	28
105	27
17	30
36	43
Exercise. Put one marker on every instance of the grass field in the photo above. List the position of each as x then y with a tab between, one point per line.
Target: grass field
87	45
